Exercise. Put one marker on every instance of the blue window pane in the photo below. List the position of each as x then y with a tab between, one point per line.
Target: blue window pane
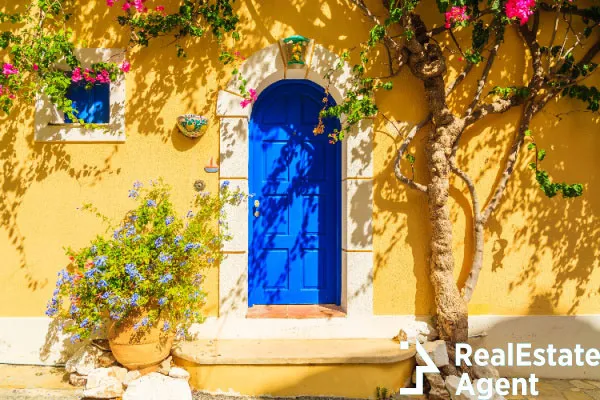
92	104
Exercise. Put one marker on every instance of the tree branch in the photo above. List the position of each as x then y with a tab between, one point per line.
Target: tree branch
405	143
484	75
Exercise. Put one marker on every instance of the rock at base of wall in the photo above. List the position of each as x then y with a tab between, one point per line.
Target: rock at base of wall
165	365
156	386
179	373
131	376
105	383
437	351
77	380
437	389
84	360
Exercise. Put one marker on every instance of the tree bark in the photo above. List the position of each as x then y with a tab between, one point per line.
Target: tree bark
427	63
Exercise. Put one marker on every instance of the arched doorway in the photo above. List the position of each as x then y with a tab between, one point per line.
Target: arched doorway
294	218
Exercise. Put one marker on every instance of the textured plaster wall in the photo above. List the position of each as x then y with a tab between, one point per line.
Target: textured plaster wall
540	253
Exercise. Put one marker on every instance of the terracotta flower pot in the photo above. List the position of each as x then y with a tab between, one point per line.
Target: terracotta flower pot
138	349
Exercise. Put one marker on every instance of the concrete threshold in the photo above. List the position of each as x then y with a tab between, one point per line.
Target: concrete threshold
292	351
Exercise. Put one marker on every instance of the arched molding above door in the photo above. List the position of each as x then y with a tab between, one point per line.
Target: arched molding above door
262	69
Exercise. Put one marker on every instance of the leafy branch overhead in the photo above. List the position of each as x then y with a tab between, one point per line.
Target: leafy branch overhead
41	48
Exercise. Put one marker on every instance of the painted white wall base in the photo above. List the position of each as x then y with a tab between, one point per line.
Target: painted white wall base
25	340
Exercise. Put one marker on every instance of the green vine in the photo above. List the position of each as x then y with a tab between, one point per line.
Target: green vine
549	188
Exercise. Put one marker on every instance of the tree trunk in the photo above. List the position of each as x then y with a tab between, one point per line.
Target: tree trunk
452	315
427	63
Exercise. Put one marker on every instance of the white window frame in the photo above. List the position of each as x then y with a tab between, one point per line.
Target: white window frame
50	125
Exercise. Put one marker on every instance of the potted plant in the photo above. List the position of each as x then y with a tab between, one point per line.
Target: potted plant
142	282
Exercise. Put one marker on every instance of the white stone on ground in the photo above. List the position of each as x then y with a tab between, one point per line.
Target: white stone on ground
165	365
131	376
156	386
438	353
105	383
84	360
179	373
77	380
107	359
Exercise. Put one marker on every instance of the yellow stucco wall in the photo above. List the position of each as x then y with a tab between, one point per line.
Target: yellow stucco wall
541	255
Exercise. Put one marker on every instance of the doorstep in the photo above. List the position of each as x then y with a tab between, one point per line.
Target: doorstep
292	351
296	311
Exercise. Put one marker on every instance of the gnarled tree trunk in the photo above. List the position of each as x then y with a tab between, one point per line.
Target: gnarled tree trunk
427	63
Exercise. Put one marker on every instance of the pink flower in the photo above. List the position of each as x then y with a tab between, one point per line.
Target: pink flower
126	6
36	67
139	5
125	66
160	8
103	77
9	69
520	9
76	75
253	95
245	103
249	100
454	15
461	59
110	3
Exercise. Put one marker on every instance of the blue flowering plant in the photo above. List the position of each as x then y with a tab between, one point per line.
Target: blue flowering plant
147	270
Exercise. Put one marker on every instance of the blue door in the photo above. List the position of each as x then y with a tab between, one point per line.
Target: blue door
294	216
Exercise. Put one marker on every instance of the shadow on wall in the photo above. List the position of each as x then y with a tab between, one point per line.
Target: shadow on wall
540	330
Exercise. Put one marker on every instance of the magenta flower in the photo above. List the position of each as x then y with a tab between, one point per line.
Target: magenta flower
520	9
103	77
125	66
253	94
9	69
160	8
110	3
36	67
126	6
454	15
249	100
76	76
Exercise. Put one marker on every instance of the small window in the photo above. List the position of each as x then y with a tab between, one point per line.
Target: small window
92	104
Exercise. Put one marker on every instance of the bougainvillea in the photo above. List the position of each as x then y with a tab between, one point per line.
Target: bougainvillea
520	9
456	15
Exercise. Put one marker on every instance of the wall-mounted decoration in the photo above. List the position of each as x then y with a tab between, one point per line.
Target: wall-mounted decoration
295	50
211	168
192	125
199	185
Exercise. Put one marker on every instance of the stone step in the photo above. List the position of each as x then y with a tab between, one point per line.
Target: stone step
292	351
351	368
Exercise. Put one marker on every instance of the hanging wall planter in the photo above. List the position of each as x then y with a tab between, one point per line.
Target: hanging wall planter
192	125
296	47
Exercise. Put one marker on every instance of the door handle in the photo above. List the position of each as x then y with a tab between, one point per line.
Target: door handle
256	205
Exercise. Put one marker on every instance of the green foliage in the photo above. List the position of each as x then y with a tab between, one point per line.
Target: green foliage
149	267
509	91
382	393
550	188
587	94
193	19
